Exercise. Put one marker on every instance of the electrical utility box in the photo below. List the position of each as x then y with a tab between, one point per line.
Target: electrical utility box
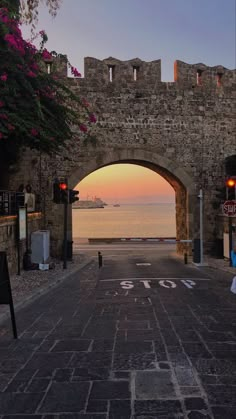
40	246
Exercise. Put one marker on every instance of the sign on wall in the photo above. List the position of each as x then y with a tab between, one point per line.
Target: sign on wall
30	201
22	224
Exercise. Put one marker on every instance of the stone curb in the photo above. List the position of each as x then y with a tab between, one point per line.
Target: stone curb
210	263
44	290
227	269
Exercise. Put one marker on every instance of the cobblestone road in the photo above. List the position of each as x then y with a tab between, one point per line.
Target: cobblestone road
143	342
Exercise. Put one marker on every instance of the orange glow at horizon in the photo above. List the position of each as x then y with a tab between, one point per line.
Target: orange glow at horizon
127	183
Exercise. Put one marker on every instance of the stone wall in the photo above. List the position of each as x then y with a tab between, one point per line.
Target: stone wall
183	130
8	237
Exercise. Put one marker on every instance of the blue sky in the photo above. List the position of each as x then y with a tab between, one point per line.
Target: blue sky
189	30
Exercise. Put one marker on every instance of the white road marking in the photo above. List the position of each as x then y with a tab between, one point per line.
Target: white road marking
127	285
188	283
143	264
145	283
111	293
150	279
165	283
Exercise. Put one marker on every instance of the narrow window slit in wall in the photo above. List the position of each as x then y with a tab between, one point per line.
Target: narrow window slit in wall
111	70
49	68
135	73
199	77
219	79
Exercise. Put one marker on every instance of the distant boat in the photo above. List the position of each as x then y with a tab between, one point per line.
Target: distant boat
89	204
116	205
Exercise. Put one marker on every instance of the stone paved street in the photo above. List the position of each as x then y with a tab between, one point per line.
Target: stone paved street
130	341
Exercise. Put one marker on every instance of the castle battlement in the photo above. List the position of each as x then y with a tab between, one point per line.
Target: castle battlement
138	72
113	70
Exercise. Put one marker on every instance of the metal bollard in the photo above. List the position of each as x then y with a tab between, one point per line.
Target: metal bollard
185	259
196	252
99	259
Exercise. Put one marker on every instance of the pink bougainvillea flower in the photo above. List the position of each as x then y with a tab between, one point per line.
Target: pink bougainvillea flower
34	67
1	104
46	55
31	74
83	128
1	135
3	77
75	72
34	132
4	19
30	48
92	118
18	31
3	116
15	42
10	127
11	40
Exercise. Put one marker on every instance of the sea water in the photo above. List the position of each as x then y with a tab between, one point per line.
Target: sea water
149	220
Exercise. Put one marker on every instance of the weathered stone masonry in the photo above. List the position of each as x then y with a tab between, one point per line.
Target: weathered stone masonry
182	130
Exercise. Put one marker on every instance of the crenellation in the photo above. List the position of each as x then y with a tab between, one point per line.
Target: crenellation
136	73
111	70
203	76
57	65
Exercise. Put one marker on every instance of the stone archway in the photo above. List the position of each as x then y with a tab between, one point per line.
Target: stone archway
178	178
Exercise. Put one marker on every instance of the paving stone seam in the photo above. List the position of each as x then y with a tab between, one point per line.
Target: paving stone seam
174	378
21	368
37	318
86	324
49	332
44	290
90	346
43	398
53	346
113	350
203	342
203	393
33	352
133	393
88	395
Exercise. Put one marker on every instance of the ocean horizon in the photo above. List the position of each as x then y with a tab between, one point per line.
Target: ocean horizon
127	220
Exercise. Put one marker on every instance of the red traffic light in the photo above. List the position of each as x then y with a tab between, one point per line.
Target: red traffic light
231	182
63	186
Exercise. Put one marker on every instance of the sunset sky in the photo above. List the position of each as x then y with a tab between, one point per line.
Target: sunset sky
126	183
189	30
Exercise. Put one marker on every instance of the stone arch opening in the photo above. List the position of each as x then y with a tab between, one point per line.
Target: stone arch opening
178	178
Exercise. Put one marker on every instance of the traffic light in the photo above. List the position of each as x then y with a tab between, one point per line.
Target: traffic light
73	196
60	192
231	188
64	192
56	192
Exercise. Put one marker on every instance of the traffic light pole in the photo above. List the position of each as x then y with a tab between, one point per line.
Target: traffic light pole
201	226
199	255
65	236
